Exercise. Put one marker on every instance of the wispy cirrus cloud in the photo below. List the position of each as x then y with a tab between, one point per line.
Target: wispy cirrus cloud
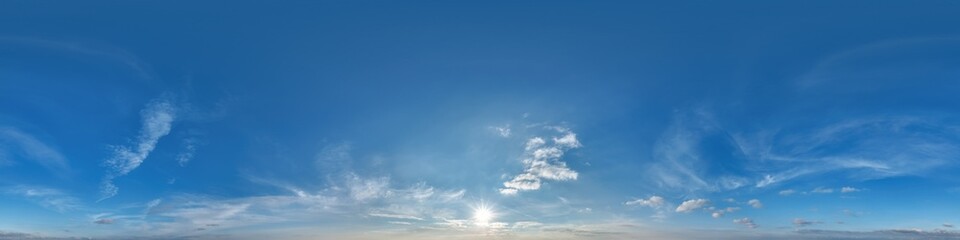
31	148
541	161
157	119
50	198
857	148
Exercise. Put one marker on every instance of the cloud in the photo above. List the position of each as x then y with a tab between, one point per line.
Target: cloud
542	162
800	222
787	192
503	131
653	202
395	216
746	222
157	120
947	225
755	203
856	149
822	190
103	221
48	198
718	213
367	189
690	205
849	190
527	224
189	149
31	148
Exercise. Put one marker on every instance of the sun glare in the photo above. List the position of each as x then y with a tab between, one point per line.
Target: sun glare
482	215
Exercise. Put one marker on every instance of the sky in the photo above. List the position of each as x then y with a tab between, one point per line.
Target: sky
479	120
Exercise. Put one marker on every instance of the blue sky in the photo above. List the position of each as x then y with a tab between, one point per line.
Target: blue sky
479	120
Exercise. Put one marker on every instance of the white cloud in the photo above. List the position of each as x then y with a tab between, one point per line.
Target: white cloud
527	224
720	212
48	198
189	149
508	191
367	189
865	148
690	205
787	192
503	131
653	202
542	161
157	119
755	203
569	140
31	148
849	190
746	222
395	216
822	190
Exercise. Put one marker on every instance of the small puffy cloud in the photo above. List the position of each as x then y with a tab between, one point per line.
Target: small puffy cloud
755	203
653	202
787	192
569	140
717	213
690	205
800	222
746	222
849	190
503	131
947	225
822	190
508	191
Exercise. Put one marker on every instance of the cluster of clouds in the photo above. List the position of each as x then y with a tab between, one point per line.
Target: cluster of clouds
157	120
541	161
658	204
820	190
858	148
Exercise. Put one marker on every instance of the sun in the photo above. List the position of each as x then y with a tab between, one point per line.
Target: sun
482	215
